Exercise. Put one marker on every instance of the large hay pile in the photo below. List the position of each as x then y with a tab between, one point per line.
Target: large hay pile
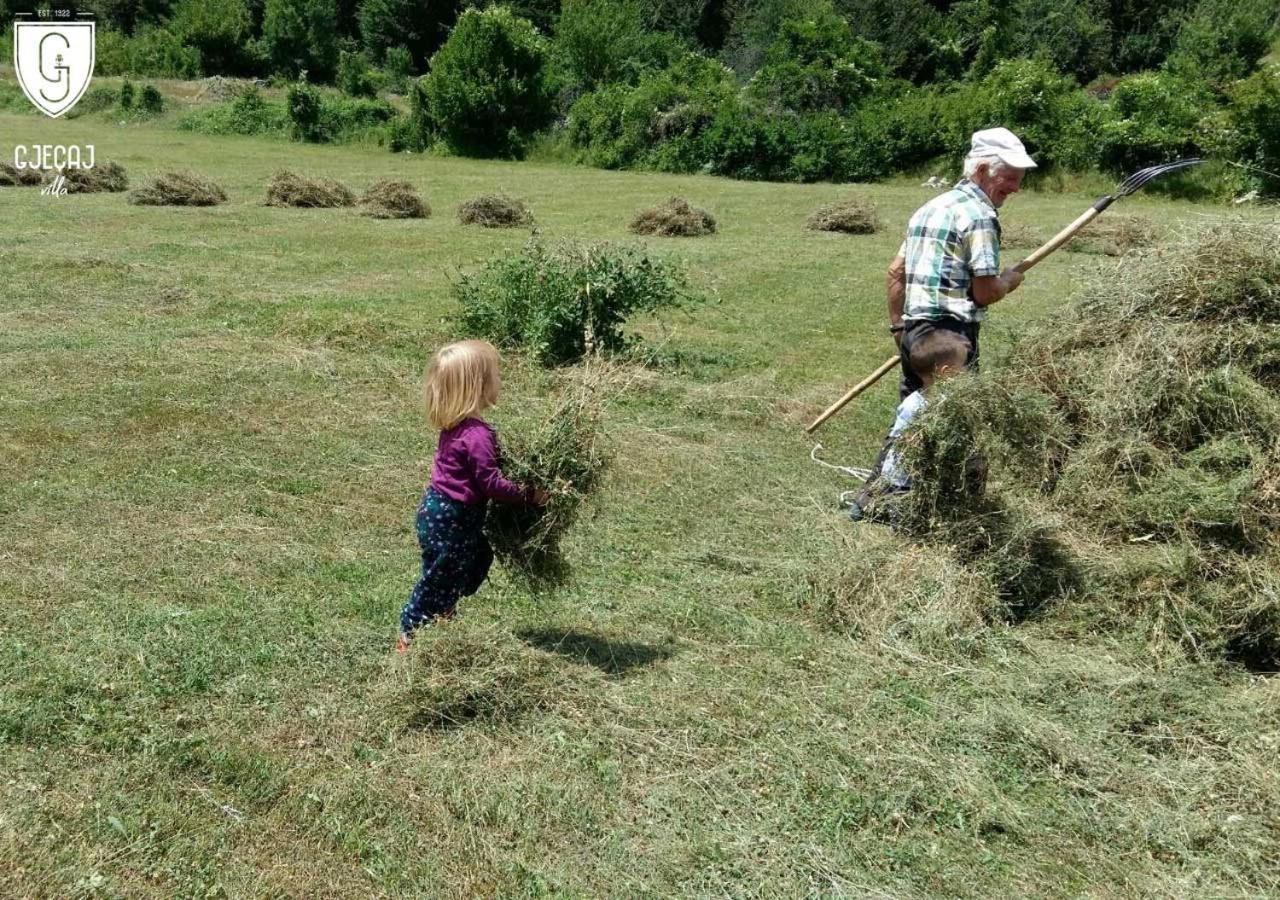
563	456
1134	452
1115	234
675	218
495	211
178	189
288	188
393	200
851	216
104	177
13	177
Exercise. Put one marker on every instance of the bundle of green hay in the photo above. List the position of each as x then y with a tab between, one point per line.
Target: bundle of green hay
562	456
14	177
495	211
675	218
178	189
463	672
1132	452
288	188
852	216
104	177
393	200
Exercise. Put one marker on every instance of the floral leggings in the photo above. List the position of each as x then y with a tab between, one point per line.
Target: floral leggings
455	558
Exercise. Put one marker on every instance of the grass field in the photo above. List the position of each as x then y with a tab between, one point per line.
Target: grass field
211	452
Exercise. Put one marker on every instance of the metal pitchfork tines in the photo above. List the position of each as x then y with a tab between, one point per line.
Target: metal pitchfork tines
1138	179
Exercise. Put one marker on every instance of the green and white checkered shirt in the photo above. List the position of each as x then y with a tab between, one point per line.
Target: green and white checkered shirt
952	239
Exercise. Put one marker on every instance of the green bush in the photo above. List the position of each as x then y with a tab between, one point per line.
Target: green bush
414	25
397	62
815	64
126	95
301	36
560	303
489	86
1254	126
354	75
1223	40
150	53
601	42
1153	118
150	100
304	113
415	131
1048	111
249	113
660	123
219	30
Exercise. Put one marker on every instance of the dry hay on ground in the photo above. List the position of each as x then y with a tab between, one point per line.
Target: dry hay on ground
393	200
178	189
851	216
1114	234
1017	236
495	211
1133	457
675	218
104	177
461	672
288	188
563	456
14	177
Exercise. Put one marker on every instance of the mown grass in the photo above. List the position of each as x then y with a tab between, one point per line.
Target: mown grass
212	449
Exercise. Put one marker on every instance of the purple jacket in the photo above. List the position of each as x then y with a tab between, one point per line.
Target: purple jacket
466	466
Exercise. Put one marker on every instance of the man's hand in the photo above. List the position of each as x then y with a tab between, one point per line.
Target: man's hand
988	289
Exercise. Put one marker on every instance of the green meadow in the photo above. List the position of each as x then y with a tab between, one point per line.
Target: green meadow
211	448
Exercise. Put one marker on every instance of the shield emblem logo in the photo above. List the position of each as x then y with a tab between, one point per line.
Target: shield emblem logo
53	62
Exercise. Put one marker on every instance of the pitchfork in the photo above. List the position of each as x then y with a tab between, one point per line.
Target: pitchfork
1130	185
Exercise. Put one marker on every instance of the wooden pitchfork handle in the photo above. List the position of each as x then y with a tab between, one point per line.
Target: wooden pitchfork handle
1044	250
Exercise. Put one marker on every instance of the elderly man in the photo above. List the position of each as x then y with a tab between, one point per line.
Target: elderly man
948	270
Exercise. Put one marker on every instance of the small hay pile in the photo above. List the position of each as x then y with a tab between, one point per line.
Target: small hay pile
852	216
288	188
1113	234
393	200
675	218
1133	454
13	177
463	672
178	189
495	211
104	177
562	456
1017	236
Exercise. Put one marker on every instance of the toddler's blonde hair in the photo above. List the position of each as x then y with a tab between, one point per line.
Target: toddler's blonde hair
462	380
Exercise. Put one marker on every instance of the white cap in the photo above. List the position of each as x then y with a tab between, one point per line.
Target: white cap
1002	143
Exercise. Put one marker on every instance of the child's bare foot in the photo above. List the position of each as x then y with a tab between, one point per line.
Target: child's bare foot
402	643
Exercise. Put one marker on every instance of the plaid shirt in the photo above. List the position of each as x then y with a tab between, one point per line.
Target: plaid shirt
950	240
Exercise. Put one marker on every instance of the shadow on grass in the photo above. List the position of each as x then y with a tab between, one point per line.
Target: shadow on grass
613	657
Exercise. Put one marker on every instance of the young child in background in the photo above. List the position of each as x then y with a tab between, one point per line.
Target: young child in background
935	356
463	380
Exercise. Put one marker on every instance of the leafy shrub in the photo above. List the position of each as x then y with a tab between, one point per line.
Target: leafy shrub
249	113
150	53
218	30
1153	119
398	64
126	95
1254	126
413	25
415	131
559	303
1055	120
304	113
601	42
816	64
150	100
489	87
96	99
301	36
354	76
660	123
1223	40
